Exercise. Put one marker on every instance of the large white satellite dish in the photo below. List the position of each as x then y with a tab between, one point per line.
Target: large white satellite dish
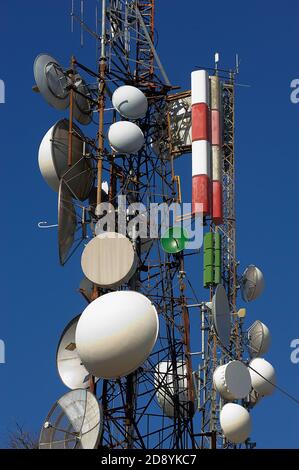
125	137
252	283
109	260
70	368
263	377
164	382
116	333
221	315
259	339
74	422
82	104
67	222
130	102
51	81
235	422
232	380
53	160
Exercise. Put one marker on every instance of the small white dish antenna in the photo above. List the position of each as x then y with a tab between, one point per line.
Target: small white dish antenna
51	81
70	368
109	260
130	102
263	377
235	422
165	385
125	137
232	380
221	315
259	339
116	333
252	283
74	422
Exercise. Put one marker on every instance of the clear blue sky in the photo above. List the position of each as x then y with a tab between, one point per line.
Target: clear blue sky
39	297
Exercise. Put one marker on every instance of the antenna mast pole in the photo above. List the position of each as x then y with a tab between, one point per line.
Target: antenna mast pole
101	103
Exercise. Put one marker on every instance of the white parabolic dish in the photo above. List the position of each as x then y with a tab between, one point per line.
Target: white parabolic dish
263	377
125	137
252	283
221	315
232	380
75	421
116	333
109	260
70	369
53	160
130	102
51	81
259	339
235	422
164	382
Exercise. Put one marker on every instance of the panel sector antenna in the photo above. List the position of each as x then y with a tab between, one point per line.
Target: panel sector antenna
74	422
51	81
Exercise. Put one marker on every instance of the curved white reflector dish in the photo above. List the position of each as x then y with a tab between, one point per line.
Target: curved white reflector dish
125	137
235	423
74	422
232	380
109	260
252	284
116	333
70	368
165	384
263	377
130	102
51	81
259	339
53	160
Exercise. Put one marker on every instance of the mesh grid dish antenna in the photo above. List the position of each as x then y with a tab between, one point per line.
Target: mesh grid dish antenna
70	368
51	81
74	422
82	103
221	315
73	219
53	160
259	339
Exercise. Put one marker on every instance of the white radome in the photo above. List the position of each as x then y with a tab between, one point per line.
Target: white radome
130	102
252	283
232	380
263	384
109	260
125	137
116	333
235	422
